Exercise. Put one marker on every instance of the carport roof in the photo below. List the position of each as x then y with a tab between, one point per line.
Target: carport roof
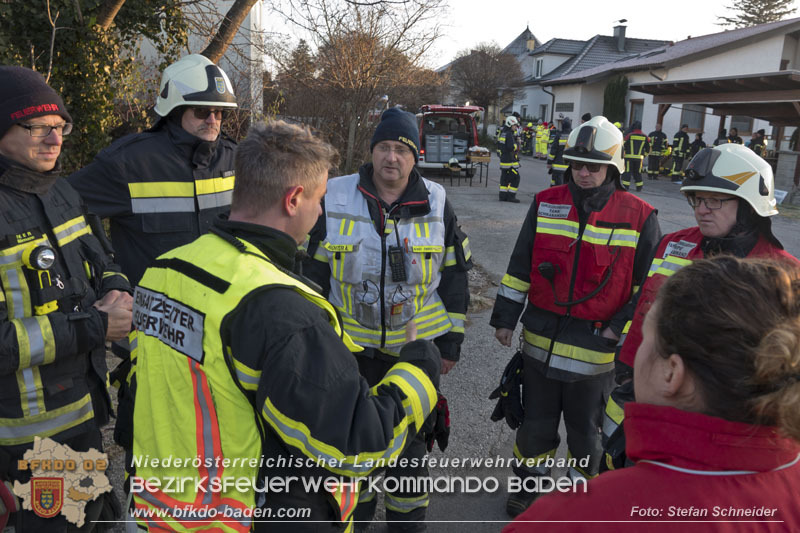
772	96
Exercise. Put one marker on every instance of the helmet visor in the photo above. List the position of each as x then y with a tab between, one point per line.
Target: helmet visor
584	146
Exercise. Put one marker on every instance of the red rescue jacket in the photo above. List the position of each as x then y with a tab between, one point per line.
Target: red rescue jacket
675	251
583	257
689	467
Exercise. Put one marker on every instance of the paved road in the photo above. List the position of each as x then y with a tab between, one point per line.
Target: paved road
492	228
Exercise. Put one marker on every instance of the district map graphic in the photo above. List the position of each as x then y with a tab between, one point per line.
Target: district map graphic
62	480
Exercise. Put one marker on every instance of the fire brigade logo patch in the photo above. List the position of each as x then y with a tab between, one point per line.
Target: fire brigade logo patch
220	85
48	495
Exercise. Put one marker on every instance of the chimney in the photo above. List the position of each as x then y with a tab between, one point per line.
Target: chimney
619	34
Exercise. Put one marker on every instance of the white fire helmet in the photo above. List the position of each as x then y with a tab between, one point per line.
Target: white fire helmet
511	121
194	81
736	170
596	141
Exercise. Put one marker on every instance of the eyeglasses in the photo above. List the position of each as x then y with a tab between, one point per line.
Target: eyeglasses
43	130
201	113
710	203
577	166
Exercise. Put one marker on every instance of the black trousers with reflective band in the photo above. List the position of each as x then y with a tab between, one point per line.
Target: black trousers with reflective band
581	402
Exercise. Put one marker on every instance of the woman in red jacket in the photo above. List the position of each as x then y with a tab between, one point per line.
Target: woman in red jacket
715	430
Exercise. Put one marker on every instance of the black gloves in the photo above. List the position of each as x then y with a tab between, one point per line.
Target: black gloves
509	394
441	425
425	355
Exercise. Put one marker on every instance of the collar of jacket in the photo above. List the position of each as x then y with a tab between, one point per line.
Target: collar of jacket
594	199
275	244
701	442
194	149
14	175
412	203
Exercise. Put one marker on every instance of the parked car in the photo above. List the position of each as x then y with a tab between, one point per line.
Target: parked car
446	133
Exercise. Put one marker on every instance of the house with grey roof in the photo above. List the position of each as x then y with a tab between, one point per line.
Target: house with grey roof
721	58
561	57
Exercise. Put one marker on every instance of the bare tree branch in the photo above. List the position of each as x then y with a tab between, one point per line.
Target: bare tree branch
108	12
227	29
52	41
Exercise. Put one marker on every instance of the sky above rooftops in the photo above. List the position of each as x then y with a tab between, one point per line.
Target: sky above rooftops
476	21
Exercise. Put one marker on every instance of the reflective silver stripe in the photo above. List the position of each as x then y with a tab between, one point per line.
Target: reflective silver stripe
35	339
575	475
566	364
666	264
579	367
622	340
15	288
245	378
208	445
192	517
395	446
45	426
411	379
218	199
66	232
162	205
406	505
549	224
30	391
609	426
512	294
456	322
654	266
606	235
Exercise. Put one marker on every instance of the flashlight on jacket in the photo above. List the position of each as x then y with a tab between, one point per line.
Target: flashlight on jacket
40	259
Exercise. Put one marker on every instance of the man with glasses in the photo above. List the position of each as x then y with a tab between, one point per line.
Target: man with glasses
61	298
388	253
162	188
582	251
732	193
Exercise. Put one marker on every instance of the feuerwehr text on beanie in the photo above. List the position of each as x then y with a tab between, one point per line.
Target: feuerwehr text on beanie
397	125
24	95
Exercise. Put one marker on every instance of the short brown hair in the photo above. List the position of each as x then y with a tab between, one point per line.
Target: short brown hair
736	324
274	157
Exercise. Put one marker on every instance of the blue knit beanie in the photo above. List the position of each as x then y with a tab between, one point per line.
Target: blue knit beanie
397	125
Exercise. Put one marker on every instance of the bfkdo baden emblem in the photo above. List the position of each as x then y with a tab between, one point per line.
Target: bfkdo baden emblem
48	495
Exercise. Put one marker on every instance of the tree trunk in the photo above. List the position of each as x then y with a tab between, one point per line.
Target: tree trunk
108	12
227	29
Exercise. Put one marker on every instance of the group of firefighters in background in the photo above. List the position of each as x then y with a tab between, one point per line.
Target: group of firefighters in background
545	141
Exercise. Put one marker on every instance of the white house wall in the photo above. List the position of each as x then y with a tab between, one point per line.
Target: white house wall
761	56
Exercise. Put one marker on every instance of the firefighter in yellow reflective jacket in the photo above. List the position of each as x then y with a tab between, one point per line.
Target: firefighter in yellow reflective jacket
581	253
509	161
545	141
636	147
61	298
538	140
238	357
